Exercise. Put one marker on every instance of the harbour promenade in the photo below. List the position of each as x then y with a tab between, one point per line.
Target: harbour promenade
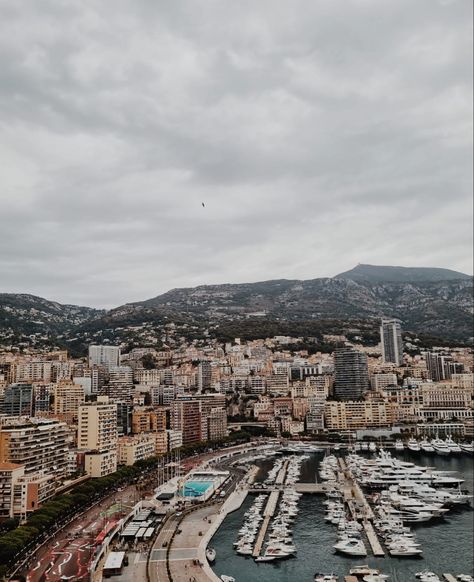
179	552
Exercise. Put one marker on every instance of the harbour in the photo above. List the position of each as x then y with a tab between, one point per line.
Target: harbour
447	543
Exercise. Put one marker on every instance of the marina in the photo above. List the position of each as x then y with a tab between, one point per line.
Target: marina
314	537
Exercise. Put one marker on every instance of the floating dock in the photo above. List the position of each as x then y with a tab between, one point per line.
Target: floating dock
377	549
449	578
267	516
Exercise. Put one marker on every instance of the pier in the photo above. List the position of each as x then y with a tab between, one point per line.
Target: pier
270	509
316	488
268	513
376	546
358	506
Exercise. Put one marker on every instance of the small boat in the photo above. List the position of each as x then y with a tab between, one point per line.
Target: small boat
427	576
364	570
225	578
351	547
265	558
210	555
372	447
325	578
467	447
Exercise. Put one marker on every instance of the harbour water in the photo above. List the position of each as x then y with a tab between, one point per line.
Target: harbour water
447	544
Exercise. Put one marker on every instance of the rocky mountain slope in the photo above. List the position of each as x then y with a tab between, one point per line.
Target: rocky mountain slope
426	303
30	319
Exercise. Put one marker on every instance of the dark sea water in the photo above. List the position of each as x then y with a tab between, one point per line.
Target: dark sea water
447	544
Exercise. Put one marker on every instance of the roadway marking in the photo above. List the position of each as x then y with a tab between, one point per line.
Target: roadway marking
178	554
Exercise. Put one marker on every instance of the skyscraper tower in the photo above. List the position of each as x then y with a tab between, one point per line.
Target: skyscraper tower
391	340
351	374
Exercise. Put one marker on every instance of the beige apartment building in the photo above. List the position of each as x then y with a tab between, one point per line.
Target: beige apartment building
463	380
352	415
21	494
136	448
216	424
40	445
98	435
67	399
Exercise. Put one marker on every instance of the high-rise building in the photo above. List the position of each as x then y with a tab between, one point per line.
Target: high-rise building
67	399
391	340
97	434
124	418
186	417
351	373
204	376
440	366
18	400
40	445
106	356
120	385
42	395
216	424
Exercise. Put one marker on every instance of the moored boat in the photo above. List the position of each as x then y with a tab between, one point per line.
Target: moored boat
413	445
351	547
440	447
210	555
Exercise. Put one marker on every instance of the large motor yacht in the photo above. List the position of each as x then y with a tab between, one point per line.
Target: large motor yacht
440	447
413	446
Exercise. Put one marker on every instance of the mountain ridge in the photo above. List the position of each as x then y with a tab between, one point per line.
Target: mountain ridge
441	307
387	273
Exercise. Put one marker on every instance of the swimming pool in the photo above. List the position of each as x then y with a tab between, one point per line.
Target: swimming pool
196	488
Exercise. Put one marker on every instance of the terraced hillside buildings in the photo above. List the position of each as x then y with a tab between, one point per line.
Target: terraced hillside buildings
94	414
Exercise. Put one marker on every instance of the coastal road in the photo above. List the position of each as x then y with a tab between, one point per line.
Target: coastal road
183	553
68	555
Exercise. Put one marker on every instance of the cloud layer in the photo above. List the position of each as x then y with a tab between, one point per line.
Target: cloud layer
317	134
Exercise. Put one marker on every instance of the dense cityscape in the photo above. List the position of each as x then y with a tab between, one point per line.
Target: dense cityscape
138	419
236	291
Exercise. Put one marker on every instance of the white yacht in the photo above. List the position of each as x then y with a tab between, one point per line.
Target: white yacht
351	547
210	555
467	447
427	576
225	578
453	447
399	446
372	447
403	549
363	570
440	447
413	445
426	446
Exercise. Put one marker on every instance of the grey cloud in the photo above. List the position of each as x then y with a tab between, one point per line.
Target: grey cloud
319	134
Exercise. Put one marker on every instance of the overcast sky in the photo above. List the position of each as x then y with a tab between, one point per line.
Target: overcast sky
318	134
